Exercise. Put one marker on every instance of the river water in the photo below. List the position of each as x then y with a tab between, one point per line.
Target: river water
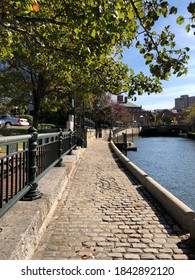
170	161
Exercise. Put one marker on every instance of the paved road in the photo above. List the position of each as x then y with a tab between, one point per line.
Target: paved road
103	215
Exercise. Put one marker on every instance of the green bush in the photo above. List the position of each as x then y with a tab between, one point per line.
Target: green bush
46	125
13	131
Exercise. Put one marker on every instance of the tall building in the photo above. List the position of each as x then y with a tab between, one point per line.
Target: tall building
183	102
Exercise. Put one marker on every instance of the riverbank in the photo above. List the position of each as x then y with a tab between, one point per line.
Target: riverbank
170	161
191	135
181	212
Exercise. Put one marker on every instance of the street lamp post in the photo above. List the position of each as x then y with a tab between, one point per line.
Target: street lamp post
74	120
141	120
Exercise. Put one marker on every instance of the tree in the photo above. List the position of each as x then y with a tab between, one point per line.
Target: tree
108	112
50	43
190	116
25	78
120	114
191	10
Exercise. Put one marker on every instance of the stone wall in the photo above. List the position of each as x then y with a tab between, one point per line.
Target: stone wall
91	134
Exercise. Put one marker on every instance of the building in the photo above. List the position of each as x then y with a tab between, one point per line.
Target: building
139	116
131	107
183	102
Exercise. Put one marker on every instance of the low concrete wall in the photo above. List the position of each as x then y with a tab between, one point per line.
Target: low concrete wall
130	131
91	134
184	215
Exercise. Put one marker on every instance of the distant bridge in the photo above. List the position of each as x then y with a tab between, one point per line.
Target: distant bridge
164	130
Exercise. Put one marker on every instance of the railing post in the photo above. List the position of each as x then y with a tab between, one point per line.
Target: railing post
70	141
34	193
84	133
75	137
60	150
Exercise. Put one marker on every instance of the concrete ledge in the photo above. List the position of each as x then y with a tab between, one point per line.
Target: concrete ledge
23	225
184	215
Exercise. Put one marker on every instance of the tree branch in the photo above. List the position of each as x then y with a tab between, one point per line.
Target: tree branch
145	29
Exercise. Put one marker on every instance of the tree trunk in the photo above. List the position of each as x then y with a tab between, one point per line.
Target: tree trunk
38	95
36	114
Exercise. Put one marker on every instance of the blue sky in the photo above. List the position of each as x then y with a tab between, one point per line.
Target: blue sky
175	86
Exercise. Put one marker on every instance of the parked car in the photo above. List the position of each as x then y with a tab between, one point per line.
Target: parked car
7	121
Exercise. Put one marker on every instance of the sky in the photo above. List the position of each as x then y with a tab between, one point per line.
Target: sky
176	86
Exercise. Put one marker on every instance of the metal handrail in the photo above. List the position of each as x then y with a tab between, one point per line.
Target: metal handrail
21	169
13	139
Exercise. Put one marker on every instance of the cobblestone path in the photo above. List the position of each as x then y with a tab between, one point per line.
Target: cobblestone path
103	215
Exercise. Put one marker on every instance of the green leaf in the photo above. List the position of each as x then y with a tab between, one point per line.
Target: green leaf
77	31
131	15
154	32
191	8
29	9
180	20
164	11
138	45
173	10
187	27
93	33
132	71
172	45
149	57
177	51
142	50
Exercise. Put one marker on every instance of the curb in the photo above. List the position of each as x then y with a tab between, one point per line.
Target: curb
23	225
184	215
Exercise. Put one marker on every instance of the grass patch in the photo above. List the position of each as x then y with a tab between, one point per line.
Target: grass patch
3	148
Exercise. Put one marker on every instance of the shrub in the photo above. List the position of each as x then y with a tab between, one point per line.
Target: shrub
46	125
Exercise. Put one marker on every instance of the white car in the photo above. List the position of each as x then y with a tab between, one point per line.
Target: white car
7	121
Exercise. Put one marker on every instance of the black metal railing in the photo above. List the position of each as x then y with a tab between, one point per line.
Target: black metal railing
25	159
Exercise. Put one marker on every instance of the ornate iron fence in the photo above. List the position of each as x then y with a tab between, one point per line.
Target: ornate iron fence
25	159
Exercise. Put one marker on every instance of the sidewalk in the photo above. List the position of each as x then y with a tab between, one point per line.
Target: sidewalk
22	226
103	215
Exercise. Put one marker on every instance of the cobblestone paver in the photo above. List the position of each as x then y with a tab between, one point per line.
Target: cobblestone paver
104	215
